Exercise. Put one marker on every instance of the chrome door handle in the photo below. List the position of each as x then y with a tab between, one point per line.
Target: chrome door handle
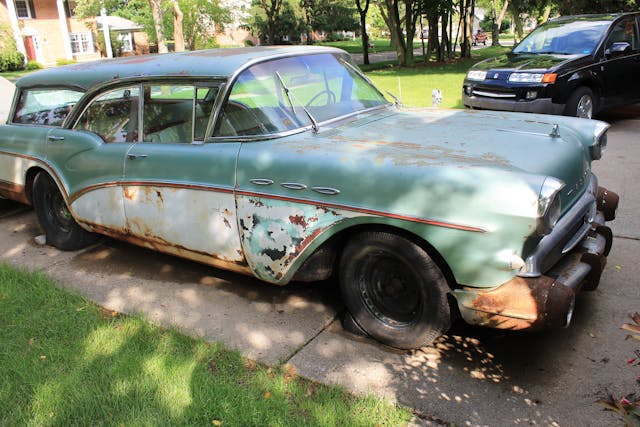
136	156
55	138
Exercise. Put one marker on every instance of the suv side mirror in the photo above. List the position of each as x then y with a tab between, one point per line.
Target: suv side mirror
617	49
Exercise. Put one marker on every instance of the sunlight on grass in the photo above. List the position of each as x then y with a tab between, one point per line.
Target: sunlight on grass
65	361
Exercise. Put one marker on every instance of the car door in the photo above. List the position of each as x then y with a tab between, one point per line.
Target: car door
89	157
179	190
620	67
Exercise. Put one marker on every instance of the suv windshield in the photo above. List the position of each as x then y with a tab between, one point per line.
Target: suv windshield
564	38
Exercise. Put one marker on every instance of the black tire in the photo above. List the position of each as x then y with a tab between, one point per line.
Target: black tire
394	290
581	103
61	229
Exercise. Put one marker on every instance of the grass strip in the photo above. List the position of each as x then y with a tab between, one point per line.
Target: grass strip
65	361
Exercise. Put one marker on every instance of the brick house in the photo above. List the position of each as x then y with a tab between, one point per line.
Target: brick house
46	31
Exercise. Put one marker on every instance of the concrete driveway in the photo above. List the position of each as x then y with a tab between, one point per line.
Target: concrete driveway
470	377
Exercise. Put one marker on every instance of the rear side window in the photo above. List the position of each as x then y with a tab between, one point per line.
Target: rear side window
47	107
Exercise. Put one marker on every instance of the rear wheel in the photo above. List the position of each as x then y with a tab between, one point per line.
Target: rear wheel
61	229
581	103
394	291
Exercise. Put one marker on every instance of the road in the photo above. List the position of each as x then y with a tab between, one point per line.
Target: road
472	376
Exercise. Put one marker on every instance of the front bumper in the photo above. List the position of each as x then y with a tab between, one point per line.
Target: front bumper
546	301
541	105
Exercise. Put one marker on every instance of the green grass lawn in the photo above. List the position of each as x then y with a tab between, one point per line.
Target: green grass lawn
12	76
65	361
355	45
414	85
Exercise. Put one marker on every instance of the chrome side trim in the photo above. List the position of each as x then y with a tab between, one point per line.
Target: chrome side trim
261	181
294	185
581	211
326	190
493	94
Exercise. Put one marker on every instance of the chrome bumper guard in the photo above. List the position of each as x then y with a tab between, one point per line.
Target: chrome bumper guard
546	301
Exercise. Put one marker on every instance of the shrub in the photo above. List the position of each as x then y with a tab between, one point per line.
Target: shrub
33	65
64	61
11	60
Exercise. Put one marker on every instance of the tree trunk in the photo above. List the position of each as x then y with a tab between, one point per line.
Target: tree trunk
363	28
156	10
178	35
392	18
497	23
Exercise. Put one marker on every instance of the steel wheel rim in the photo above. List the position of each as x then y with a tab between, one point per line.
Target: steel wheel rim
390	290
58	212
584	108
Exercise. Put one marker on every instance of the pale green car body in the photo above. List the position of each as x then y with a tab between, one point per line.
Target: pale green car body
279	204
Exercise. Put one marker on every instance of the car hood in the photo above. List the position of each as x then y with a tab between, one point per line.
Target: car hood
399	149
527	62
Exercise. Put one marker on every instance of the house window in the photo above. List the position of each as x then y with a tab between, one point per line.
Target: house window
127	41
81	42
23	9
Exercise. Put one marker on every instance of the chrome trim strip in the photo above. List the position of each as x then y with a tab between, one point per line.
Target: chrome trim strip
580	210
261	181
492	94
294	185
326	190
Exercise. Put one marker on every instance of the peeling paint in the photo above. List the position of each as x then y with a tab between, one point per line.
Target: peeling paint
275	233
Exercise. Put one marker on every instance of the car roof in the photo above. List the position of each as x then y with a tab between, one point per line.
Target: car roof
591	17
221	63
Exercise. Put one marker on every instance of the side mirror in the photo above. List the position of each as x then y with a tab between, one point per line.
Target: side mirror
617	49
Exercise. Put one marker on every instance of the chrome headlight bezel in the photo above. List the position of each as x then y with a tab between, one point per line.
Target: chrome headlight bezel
549	205
599	141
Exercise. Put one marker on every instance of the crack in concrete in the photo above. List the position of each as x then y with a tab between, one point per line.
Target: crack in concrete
626	237
306	343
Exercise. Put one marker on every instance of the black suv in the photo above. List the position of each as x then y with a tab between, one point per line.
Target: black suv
573	65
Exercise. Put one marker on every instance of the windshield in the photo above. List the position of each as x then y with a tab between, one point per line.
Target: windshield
290	93
564	38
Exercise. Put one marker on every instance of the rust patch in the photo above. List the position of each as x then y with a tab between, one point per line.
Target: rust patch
159	195
130	193
299	220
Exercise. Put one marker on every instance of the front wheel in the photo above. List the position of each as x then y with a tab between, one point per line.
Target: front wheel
394	291
581	103
61	229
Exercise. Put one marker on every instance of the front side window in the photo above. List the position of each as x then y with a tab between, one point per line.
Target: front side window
48	107
280	95
81	42
624	32
176	112
113	115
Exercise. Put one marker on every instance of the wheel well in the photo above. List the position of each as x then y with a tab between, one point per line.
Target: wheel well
327	257
28	182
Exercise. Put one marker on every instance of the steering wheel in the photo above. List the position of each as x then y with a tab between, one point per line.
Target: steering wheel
331	98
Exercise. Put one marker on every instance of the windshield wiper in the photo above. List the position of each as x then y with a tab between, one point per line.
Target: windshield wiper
287	92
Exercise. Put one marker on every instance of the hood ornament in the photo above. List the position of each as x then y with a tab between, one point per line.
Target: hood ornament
555	131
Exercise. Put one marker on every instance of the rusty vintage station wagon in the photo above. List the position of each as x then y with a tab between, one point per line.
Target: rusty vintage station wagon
288	164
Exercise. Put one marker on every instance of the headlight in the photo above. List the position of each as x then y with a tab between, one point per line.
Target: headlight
549	206
532	78
476	75
599	141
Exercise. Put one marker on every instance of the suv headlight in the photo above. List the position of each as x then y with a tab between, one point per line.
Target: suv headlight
549	206
532	77
599	141
476	75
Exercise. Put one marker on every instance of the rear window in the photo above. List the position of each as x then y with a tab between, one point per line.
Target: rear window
47	107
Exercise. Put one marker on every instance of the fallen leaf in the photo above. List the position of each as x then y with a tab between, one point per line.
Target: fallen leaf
216	422
591	335
267	395
250	365
30	342
4	296
289	372
43	357
617	267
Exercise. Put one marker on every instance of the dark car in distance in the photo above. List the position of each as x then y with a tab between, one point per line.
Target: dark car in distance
572	65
